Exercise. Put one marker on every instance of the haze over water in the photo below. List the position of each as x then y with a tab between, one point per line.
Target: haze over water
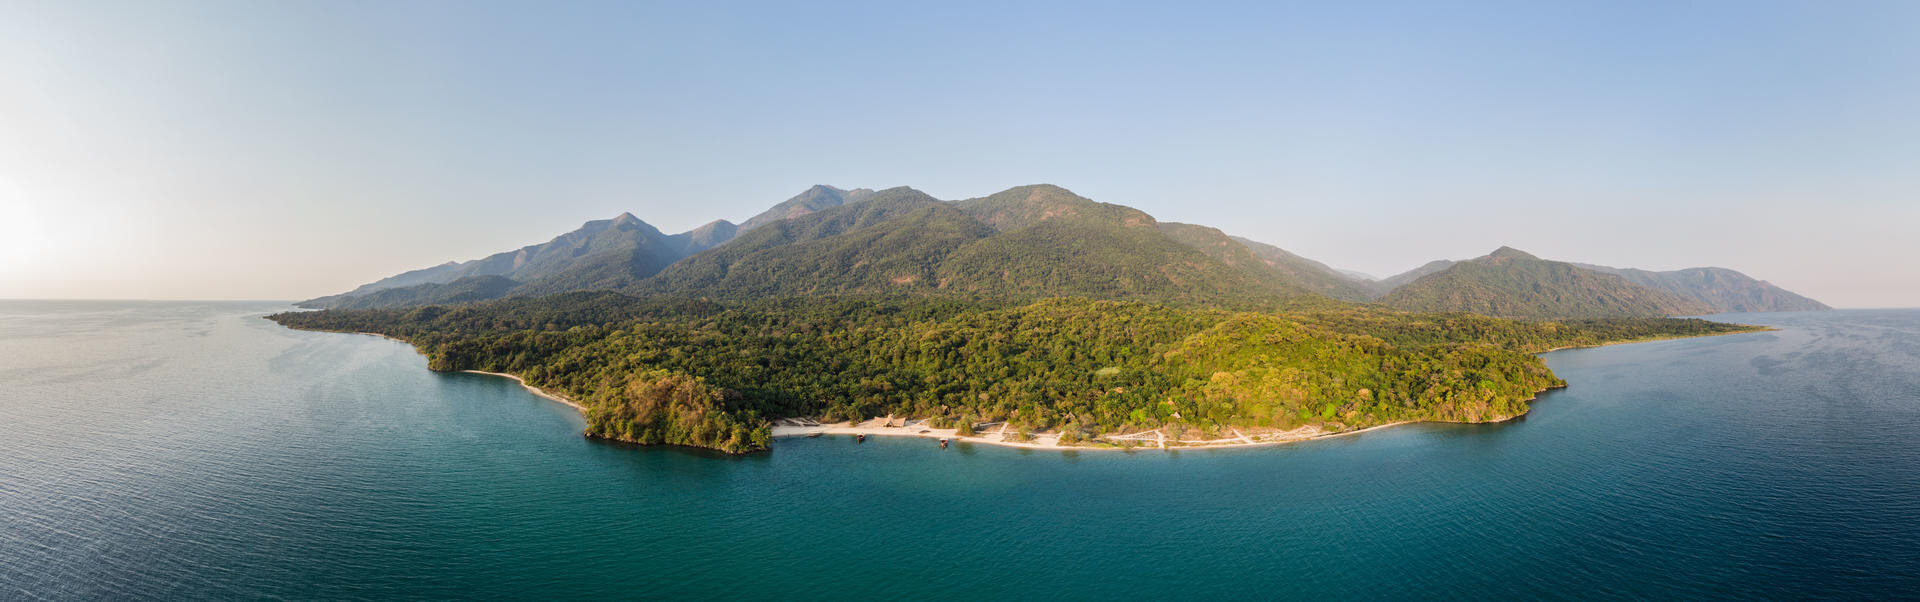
184	450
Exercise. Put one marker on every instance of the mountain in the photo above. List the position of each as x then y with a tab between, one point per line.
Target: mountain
704	237
819	197
1049	241
1032	242
1512	283
890	238
1380	288
464	290
600	254
1721	289
1026	242
1312	275
1267	263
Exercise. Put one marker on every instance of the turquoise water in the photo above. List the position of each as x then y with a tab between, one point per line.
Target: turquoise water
193	450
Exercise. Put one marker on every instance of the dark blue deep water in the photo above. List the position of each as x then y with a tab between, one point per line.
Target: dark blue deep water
194	450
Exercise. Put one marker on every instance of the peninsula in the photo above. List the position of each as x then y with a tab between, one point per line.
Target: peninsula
1031	317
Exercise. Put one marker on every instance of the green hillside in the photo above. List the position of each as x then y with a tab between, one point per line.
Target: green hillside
1309	274
1051	242
818	198
601	254
1721	289
464	290
1380	288
892	238
1511	283
1025	243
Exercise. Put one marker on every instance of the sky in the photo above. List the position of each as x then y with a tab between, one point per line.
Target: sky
286	150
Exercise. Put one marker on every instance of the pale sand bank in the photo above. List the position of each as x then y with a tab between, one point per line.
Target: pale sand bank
535	390
999	436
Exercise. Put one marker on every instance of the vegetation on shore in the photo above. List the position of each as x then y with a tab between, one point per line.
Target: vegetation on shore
687	371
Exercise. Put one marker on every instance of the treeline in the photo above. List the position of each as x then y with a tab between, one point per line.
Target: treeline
694	372
1531	336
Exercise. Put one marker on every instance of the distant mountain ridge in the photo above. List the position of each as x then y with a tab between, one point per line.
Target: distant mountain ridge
637	245
1029	241
466	289
1317	276
1721	289
1032	242
601	254
1380	288
1513	284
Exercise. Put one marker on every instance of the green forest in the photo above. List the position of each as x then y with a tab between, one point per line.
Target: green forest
664	369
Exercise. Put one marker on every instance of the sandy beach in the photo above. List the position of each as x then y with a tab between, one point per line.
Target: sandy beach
536	390
998	435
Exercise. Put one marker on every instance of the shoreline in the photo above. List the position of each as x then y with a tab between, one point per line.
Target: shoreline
1757	328
555	397
394	339
784	428
533	389
917	428
1039	441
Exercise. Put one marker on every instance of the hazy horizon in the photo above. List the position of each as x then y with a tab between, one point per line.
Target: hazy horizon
232	150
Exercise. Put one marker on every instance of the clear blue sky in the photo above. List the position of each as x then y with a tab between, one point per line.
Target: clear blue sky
291	149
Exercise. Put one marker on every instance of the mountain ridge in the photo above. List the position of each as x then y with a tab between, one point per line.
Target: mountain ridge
1511	283
1028	241
1723	289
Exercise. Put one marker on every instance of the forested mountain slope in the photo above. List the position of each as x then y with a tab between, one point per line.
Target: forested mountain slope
1380	288
1312	275
1032	242
895	240
1511	283
464	290
814	199
1028	242
1721	289
598	253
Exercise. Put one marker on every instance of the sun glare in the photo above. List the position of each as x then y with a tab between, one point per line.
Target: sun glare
22	236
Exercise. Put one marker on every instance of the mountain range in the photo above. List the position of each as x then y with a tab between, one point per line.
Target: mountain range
1033	242
1510	283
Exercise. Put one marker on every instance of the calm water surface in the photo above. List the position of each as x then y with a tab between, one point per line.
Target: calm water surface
193	450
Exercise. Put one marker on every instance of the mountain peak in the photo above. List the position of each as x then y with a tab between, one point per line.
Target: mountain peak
818	197
1044	190
1505	252
625	217
1511	283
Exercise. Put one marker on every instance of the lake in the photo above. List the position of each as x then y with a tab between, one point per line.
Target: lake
170	450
